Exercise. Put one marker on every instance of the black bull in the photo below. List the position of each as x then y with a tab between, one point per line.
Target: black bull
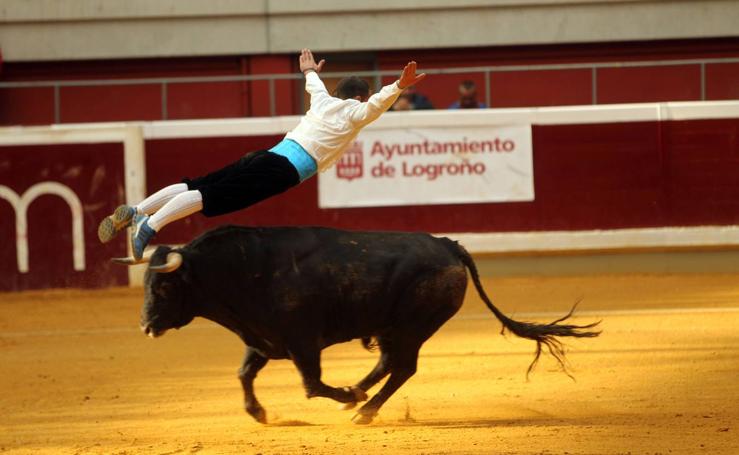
290	292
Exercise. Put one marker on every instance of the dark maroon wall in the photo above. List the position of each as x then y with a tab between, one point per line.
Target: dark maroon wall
702	171
35	105
567	86
95	173
649	84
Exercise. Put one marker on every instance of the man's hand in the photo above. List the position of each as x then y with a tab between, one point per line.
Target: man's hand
409	76
308	63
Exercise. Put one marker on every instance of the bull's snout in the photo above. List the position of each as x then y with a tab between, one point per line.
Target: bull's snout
150	331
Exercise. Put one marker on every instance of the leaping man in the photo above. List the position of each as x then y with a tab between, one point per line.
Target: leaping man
323	134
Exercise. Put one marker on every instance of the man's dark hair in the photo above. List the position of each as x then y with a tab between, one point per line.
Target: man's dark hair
350	87
467	84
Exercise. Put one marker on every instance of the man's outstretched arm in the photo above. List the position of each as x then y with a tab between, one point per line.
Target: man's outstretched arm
309	67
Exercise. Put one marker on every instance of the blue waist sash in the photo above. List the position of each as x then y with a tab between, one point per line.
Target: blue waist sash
298	157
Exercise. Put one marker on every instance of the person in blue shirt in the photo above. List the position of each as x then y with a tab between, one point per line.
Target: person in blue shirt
467	97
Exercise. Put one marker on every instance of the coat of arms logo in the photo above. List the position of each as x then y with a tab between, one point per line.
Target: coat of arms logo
351	164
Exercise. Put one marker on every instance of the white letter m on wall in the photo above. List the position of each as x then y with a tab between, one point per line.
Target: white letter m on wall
20	204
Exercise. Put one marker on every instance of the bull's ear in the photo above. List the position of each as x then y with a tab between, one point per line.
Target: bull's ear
185	274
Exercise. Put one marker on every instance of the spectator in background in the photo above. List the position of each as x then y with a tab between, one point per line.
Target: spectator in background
411	100
403	103
416	99
467	97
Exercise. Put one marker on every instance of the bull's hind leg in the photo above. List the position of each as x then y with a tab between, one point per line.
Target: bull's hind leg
378	372
376	375
428	305
253	362
402	361
308	362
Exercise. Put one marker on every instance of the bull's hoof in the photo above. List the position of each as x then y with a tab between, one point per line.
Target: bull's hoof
259	414
362	419
347	406
359	394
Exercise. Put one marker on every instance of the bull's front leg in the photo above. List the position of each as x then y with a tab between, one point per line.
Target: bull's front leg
308	362
253	362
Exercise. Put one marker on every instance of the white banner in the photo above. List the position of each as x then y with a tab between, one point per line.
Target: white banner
450	165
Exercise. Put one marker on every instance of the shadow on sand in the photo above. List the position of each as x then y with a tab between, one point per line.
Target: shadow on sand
290	423
477	423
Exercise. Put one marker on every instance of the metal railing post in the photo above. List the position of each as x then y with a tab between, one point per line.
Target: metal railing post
594	84
703	81
57	105
272	101
488	95
165	113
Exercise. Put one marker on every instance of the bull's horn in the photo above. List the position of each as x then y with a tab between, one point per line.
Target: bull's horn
133	261
174	261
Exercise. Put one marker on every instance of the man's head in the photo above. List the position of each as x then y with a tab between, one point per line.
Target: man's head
467	94
352	87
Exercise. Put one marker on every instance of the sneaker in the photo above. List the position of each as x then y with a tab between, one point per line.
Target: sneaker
141	234
115	223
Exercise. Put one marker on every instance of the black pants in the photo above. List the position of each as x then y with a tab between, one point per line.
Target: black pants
251	179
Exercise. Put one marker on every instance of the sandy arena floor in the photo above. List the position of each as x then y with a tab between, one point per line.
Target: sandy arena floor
77	377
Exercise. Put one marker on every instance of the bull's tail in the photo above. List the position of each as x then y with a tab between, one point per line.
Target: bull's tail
543	334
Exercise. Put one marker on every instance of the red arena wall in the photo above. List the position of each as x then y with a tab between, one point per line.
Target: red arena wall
587	176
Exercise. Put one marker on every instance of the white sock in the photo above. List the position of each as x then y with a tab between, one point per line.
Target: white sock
180	206
157	200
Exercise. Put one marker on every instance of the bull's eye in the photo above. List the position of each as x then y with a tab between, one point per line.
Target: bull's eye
163	290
